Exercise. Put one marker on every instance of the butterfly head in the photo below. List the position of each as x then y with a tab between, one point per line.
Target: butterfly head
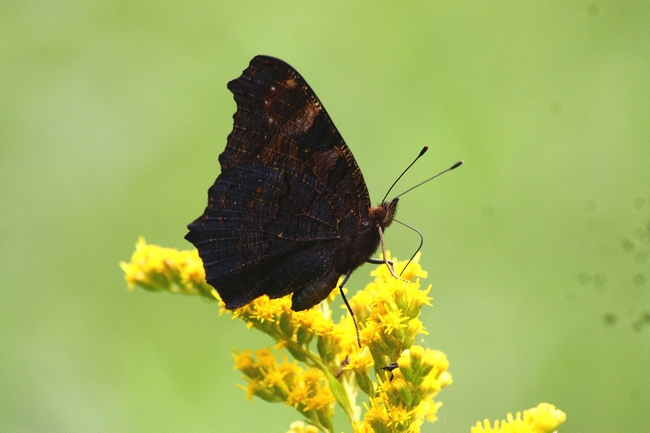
385	212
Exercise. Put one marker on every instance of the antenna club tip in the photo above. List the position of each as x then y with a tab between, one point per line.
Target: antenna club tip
423	151
458	164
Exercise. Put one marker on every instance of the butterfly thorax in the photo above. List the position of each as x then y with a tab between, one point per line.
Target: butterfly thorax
357	249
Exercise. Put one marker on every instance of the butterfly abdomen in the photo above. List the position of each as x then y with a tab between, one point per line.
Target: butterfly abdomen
355	250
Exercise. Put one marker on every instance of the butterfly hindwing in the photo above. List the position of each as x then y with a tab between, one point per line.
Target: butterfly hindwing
258	229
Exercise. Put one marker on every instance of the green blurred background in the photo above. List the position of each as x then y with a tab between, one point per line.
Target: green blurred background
112	115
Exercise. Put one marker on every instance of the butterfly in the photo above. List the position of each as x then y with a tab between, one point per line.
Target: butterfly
290	211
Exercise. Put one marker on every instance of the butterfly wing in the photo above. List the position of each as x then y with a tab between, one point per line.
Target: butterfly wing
288	193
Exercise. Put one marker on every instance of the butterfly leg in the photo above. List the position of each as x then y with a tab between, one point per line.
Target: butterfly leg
347	304
376	261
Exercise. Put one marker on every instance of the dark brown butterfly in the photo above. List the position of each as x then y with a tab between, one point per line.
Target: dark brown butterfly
290	211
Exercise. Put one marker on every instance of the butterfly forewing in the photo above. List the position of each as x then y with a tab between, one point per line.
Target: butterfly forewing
289	194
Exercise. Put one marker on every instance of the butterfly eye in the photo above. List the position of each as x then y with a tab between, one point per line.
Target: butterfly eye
378	213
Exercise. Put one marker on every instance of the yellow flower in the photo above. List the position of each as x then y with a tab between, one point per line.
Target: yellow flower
156	268
298	396
399	417
301	427
360	361
266	378
409	273
245	363
322	400
289	369
376	418
544	418
413	270
392	320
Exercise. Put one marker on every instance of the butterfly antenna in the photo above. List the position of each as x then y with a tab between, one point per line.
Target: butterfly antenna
416	251
458	164
422	152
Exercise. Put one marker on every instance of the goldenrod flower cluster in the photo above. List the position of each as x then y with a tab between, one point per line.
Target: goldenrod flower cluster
304	389
390	309
400	379
544	418
156	268
405	400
